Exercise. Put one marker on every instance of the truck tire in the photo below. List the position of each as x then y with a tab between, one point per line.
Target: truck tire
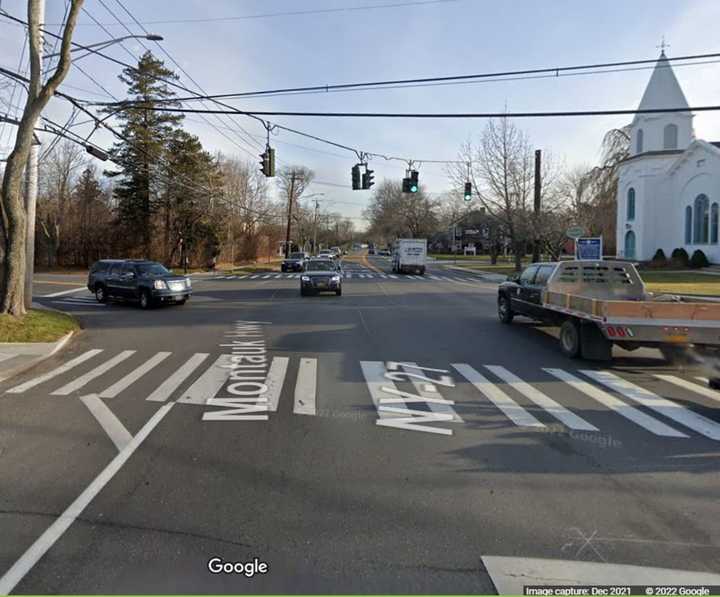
594	346
676	355
145	299
570	339
100	293
505	313
422	271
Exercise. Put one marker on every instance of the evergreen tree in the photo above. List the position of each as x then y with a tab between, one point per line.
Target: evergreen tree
146	132
88	194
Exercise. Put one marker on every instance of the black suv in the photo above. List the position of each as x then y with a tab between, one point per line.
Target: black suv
147	282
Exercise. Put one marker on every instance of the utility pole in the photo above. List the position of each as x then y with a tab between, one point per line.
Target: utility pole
315	219
291	195
536	207
31	173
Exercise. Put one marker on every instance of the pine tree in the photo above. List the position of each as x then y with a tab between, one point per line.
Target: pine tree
88	193
146	132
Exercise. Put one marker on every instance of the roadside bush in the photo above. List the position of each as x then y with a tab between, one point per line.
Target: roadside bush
659	259
699	259
680	258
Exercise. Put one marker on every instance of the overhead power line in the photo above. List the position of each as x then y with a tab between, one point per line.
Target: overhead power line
292	13
499	75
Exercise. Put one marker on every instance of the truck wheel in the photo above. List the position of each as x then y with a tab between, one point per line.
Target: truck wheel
422	271
505	314
100	294
714	383
676	355
338	292
570	339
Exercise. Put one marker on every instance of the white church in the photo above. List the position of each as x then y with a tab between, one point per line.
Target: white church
669	187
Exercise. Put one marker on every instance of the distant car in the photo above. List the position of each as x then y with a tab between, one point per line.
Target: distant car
147	282
295	262
384	253
337	250
327	254
371	251
321	275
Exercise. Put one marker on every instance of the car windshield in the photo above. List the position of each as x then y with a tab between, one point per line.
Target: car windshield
152	269
297	255
321	266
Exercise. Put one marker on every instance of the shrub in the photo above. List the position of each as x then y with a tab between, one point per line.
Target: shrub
699	259
659	259
680	258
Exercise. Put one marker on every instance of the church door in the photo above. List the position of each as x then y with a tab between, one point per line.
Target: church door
630	245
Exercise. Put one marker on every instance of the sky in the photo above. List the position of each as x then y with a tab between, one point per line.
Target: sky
422	40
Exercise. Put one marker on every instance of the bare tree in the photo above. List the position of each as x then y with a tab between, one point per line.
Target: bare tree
293	181
12	292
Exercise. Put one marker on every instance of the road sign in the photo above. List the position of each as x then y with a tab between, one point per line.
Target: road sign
588	248
575	231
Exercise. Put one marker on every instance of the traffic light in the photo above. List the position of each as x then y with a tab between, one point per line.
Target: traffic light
267	162
367	179
468	191
406	185
414	184
356	177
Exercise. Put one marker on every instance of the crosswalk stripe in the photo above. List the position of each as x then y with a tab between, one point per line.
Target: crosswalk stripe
433	277
266	277
81	381
209	383
172	383
134	375
616	405
446	278
55	372
275	380
242	277
661	405
348	275
384	276
390	416
306	388
558	411
5	357
423	390
688	385
512	410
278	276
254	277
393	276
704	380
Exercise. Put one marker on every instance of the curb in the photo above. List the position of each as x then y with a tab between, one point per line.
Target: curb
59	345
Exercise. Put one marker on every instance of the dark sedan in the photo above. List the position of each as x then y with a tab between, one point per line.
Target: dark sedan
295	262
321	275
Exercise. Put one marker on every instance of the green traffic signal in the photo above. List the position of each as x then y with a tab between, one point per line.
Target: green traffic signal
468	191
413	188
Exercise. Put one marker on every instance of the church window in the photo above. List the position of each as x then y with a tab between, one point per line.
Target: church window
631	204
670	136
688	225
701	228
639	142
630	245
714	223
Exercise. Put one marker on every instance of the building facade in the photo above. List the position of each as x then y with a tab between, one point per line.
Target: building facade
669	187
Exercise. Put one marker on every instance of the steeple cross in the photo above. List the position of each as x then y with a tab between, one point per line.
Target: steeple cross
663	45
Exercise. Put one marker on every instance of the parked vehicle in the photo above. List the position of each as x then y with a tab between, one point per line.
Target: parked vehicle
409	256
295	262
601	303
147	282
321	275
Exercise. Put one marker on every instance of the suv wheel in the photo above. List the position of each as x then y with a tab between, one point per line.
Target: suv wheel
100	294
145	302
505	314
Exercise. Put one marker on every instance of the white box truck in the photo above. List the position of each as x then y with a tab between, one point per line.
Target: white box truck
409	255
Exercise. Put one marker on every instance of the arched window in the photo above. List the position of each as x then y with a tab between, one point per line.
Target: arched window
714	223
670	136
630	212
688	225
630	245
639	142
701	227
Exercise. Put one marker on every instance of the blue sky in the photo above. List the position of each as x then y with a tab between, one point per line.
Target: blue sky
459	37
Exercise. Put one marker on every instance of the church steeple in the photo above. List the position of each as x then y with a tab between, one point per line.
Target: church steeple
662	130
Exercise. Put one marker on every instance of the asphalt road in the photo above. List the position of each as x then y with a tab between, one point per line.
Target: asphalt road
116	475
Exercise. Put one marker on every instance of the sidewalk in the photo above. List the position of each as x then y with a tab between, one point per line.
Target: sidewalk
16	357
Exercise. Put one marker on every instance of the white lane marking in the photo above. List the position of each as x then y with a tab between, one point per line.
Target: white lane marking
83	380
693	387
134	375
80	304
164	390
275	380
64	292
615	404
511	409
5	357
427	390
399	418
558	411
55	372
43	543
306	388
116	431
209	383
661	405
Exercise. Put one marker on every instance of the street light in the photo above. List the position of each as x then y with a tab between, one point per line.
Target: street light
104	44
